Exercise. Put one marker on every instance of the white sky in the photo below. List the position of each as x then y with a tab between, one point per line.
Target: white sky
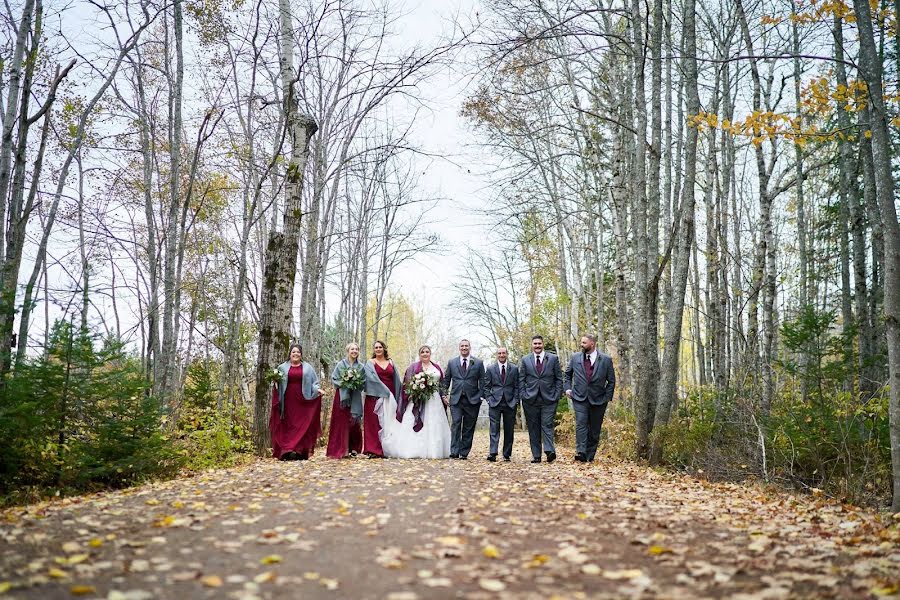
444	133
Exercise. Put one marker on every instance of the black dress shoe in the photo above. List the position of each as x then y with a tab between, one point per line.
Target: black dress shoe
461	457
454	456
506	458
551	456
536	460
290	456
580	458
492	457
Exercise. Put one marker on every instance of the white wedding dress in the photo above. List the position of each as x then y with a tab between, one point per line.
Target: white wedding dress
398	440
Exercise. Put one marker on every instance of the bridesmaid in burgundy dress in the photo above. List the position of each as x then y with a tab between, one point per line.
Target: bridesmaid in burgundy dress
345	432
390	377
296	422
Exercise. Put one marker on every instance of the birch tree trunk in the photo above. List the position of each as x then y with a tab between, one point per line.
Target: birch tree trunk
283	247
682	250
871	70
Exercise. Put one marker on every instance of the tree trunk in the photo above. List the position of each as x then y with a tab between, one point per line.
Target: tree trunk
283	248
871	69
682	250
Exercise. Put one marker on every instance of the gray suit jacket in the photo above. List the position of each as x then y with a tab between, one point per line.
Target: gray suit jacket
466	383
597	391
546	387
495	390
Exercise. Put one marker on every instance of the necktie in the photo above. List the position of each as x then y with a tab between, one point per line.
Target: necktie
465	365
503	373
588	368
540	365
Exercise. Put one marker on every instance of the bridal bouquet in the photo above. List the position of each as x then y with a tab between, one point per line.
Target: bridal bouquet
421	387
273	376
352	379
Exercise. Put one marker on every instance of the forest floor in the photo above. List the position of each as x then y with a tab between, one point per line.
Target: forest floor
407	529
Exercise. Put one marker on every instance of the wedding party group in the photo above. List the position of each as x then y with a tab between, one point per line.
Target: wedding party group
379	413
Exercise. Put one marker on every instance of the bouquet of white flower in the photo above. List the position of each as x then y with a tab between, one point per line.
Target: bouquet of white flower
273	376
352	379
421	387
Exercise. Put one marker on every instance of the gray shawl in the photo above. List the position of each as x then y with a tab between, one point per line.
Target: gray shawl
353	399
309	384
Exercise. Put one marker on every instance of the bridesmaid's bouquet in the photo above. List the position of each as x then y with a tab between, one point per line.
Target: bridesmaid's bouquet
352	379
273	376
421	387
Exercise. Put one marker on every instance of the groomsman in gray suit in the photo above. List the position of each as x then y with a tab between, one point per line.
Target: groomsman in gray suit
590	382
501	387
464	377
540	387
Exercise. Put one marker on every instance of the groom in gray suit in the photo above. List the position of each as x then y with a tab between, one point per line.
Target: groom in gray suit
590	382
501	388
540	387
464	377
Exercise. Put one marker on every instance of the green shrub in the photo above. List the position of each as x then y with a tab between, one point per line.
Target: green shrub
210	436
78	418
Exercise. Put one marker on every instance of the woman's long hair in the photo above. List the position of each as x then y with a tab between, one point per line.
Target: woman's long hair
383	345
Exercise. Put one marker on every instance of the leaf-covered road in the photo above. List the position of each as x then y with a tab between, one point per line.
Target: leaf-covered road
379	529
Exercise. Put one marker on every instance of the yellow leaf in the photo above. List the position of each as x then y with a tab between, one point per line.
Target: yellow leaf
657	550
450	540
537	560
5	586
267	577
888	590
271	559
582	515
57	573
82	590
151	502
490	551
95	543
78	558
213	581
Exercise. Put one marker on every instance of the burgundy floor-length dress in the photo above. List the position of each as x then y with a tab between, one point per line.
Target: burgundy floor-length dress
371	425
344	437
302	424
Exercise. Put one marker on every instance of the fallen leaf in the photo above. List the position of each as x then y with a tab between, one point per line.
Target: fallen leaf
266	577
71	547
623	574
491	585
450	540
329	584
82	590
490	551
271	559
212	581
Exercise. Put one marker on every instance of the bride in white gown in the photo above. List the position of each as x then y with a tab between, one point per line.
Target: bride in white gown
399	438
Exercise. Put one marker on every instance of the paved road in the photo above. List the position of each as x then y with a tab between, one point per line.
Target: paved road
400	530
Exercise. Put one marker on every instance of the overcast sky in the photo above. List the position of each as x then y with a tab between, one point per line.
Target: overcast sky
458	178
